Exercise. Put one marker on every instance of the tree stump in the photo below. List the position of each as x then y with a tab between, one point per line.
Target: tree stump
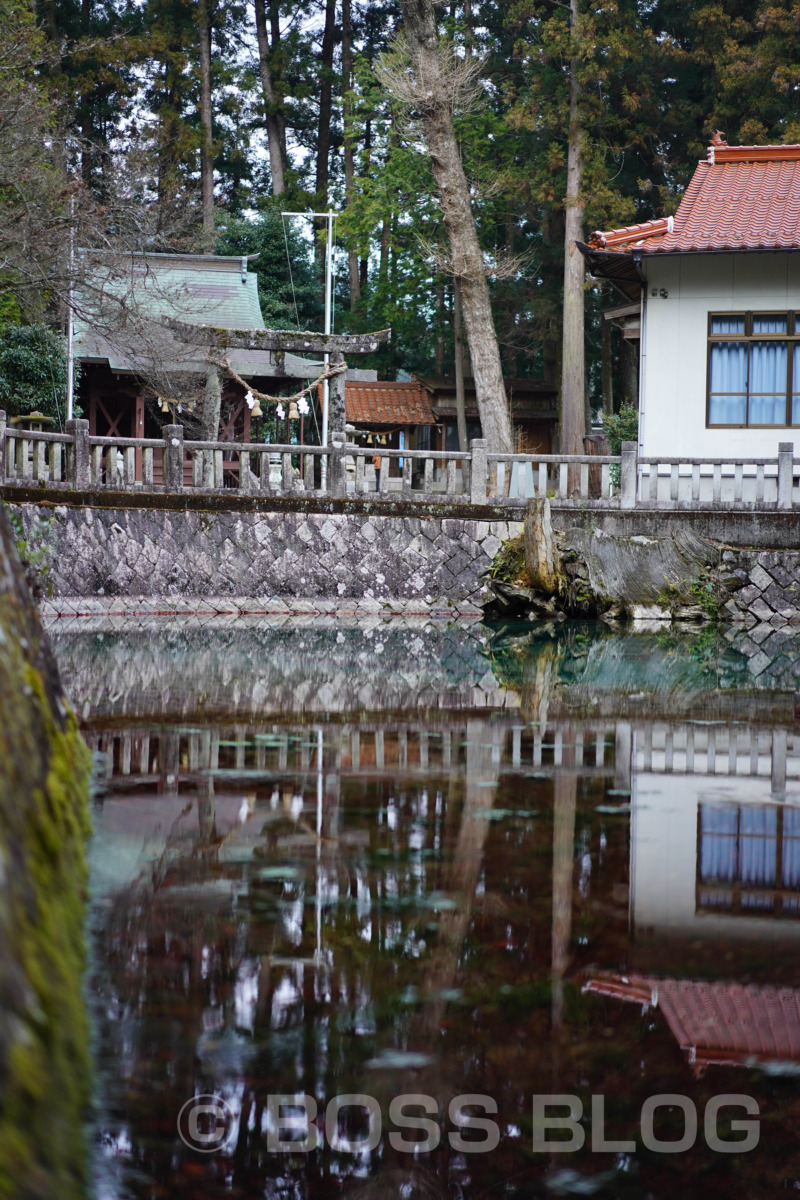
541	558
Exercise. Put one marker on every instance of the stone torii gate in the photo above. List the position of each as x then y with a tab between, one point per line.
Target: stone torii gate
280	341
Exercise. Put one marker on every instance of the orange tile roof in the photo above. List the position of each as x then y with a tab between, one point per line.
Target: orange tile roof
726	1023
741	198
388	403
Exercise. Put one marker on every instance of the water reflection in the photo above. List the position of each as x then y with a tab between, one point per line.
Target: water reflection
479	882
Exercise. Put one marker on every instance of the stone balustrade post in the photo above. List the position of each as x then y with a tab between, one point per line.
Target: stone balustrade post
2	445
478	474
785	474
78	469
173	457
629	474
337	480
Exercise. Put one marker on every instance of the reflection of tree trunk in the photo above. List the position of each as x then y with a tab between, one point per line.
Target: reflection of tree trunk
462	880
622	756
537	684
207	811
564	800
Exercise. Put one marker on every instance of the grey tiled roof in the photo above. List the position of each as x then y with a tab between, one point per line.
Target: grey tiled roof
124	298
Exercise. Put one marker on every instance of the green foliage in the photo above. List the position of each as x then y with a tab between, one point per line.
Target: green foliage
35	550
621	427
705	593
33	371
508	565
111	91
270	235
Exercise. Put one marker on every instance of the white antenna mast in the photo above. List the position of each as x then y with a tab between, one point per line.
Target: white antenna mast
70	319
329	218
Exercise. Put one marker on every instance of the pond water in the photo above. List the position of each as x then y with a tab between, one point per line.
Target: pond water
404	870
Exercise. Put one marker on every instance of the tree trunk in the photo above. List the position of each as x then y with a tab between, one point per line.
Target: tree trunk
278	73
573	368
207	151
458	346
383	261
325	103
630	373
439	359
363	266
605	357
349	161
435	101
277	163
541	556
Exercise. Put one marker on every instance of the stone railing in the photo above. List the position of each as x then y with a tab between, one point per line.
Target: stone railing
76	461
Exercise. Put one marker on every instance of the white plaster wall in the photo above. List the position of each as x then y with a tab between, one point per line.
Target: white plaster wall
664	858
673	410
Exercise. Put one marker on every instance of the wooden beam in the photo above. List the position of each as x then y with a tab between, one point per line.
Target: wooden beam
623	310
296	341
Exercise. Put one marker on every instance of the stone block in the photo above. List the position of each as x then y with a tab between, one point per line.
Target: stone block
747	595
490	546
760	577
759	663
759	608
498	529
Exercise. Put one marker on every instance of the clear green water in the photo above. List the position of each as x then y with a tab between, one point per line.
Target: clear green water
399	859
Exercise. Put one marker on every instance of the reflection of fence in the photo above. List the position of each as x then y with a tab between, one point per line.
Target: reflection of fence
74	460
740	750
168	758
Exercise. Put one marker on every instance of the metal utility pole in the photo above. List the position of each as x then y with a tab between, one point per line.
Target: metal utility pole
70	317
329	219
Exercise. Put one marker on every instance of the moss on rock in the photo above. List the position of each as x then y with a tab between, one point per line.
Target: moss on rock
44	824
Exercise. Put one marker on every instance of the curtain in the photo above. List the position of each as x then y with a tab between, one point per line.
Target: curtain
728	325
759	828
769	324
791	848
728	375
767	383
718	844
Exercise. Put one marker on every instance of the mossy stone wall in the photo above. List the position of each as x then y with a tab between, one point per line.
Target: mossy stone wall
44	824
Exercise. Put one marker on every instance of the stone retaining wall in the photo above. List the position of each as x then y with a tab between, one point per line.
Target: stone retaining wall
160	554
764	587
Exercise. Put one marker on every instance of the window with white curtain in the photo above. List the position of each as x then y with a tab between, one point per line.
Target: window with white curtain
748	859
754	369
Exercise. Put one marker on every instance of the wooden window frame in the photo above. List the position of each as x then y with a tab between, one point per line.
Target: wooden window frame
791	337
780	900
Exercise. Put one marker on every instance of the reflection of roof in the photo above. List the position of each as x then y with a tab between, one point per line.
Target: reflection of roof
388	403
727	1024
198	289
